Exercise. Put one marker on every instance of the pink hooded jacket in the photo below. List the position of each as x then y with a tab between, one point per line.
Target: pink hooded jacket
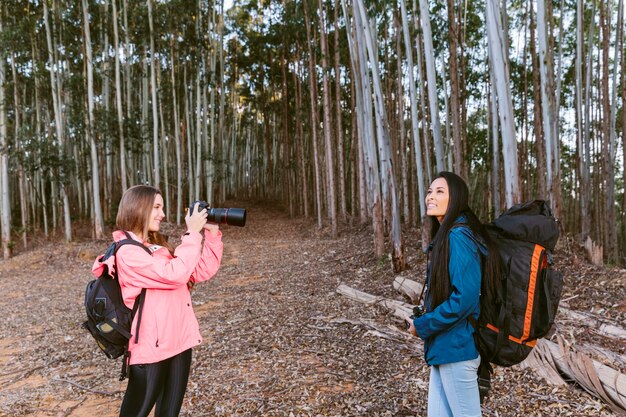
168	323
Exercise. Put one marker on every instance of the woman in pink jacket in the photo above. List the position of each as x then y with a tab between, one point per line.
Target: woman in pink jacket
160	357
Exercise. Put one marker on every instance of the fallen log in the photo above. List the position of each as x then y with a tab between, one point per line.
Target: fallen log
554	362
383	331
408	287
394	306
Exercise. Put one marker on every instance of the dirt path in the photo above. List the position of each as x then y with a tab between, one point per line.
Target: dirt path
275	342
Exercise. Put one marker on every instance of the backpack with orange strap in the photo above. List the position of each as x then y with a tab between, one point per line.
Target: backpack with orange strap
526	305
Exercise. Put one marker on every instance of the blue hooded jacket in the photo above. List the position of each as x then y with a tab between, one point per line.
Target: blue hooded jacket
446	330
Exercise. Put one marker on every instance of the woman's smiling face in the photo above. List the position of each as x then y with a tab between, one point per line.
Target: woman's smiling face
157	215
437	198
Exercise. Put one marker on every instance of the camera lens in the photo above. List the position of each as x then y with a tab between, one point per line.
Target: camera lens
230	216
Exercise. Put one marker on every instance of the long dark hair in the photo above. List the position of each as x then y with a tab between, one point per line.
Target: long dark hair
439	286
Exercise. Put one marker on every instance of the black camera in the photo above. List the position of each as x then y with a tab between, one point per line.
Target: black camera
417	312
231	216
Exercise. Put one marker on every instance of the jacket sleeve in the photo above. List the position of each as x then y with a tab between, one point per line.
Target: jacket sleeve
465	276
138	268
210	259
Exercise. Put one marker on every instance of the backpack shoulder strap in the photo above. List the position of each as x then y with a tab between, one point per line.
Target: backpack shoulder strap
139	301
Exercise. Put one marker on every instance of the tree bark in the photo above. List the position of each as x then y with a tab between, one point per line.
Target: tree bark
313	104
499	61
540	147
5	197
118	99
414	118
95	171
58	123
548	103
388	179
155	114
431	78
455	93
328	139
339	119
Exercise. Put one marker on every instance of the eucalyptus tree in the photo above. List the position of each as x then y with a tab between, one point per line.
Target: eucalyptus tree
95	173
548	103
153	91
314	116
388	183
455	92
414	118
118	97
431	78
498	59
331	189
5	198
583	192
365	122
339	116
54	66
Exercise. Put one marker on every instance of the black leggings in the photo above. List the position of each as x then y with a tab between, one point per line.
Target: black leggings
163	383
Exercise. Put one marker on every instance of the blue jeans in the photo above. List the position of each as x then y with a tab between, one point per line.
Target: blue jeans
453	390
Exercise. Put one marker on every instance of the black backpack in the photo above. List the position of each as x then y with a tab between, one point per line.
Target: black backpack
108	319
530	290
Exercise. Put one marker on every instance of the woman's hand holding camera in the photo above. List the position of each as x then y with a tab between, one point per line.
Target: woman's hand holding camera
196	219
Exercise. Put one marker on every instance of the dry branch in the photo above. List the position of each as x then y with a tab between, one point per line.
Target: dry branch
83	387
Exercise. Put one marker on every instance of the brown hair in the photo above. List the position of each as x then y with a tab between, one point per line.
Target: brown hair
134	213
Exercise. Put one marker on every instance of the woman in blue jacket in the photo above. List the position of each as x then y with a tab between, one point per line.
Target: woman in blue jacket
454	284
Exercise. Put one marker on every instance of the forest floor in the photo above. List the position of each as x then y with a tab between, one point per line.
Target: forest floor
278	339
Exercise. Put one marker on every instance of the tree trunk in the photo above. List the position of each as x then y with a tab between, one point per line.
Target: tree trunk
584	216
155	115
402	137
95	171
548	104
495	140
5	197
610	237
587	115
540	147
431	78
613	247
328	139
118	99
313	103
365	120
499	61
388	179
58	124
455	93
177	139
414	118
339	122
